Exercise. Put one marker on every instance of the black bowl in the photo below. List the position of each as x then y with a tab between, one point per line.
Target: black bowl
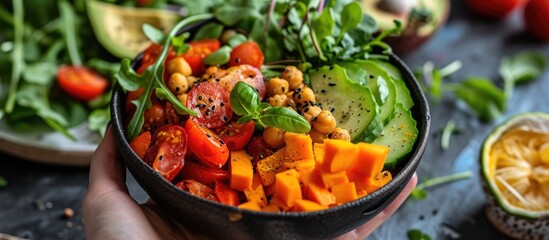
228	222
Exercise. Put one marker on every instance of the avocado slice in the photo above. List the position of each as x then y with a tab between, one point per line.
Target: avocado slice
119	29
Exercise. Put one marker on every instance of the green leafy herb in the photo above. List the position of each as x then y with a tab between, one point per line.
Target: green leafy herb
482	96
245	102
209	31
219	57
447	131
17	54
3	182
521	68
420	193
416	234
153	34
69	32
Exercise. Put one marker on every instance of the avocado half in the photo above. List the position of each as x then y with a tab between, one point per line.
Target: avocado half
119	29
414	33
513	221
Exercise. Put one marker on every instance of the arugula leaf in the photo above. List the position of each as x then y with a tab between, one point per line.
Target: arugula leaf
416	234
420	193
42	73
487	100
521	68
69	31
323	26
17	54
99	119
351	16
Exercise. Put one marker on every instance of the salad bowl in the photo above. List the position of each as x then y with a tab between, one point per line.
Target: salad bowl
222	221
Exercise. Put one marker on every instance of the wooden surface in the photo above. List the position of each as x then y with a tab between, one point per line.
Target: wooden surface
451	211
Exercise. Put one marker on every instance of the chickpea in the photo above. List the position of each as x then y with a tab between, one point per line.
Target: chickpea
227	35
305	96
340	133
179	65
293	75
192	80
182	98
277	86
279	100
324	122
310	112
178	83
274	137
317	137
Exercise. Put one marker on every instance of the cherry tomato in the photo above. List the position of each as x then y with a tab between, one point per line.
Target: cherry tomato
151	54
235	135
154	116
141	143
198	51
494	9
197	189
230	76
247	53
226	194
81	83
536	18
166	154
212	104
258	148
206	146
203	174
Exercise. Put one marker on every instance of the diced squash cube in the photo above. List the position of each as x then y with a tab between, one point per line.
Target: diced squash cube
241	170
269	167
256	193
301	166
269	190
287	187
371	158
298	147
318	149
302	205
345	192
251	205
318	194
331	179
339	155
276	201
376	182
272	208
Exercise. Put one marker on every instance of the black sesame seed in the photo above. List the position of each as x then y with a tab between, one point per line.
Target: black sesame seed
330	135
200	97
283	89
177	89
306	109
210	100
225	118
331	84
217	79
222	104
237	60
160	157
251	76
208	135
323	91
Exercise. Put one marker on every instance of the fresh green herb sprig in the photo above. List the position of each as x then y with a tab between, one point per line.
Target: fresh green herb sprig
521	68
3	182
447	132
245	102
416	234
420	193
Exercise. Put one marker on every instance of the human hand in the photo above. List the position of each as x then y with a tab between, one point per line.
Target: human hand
111	213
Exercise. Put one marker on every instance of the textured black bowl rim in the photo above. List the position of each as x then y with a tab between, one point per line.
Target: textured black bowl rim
420	112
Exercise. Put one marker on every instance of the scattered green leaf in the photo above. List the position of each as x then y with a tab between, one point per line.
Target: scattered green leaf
154	34
3	182
420	191
416	234
521	68
447	131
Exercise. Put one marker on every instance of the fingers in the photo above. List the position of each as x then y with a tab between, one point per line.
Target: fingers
107	172
368	228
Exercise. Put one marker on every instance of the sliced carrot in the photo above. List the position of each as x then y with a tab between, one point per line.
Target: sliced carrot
287	187
251	205
269	166
345	192
318	194
298	147
256	193
371	158
302	205
331	179
241	170
339	155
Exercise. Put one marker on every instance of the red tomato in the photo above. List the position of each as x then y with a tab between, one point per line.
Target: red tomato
247	53
494	9
151	54
197	189
235	135
536	18
206	146
155	116
81	83
198	51
203	174
212	104
141	143
166	154
258	148
231	76
226	194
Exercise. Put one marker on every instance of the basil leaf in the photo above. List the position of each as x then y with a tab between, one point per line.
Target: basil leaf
245	118
351	16
244	99
209	31
323	25
153	34
416	234
236	40
285	119
219	57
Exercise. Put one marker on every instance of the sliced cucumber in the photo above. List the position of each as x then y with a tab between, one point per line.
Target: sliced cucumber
403	93
352	104
399	135
380	83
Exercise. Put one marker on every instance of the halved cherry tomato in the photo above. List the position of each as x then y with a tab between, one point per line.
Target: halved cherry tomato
151	54
197	189
206	146
198	51
166	154
212	104
141	143
247	53
258	148
81	83
226	194
536	18
154	116
203	174
236	135
229	77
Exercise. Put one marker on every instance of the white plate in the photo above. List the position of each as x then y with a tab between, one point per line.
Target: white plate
50	147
